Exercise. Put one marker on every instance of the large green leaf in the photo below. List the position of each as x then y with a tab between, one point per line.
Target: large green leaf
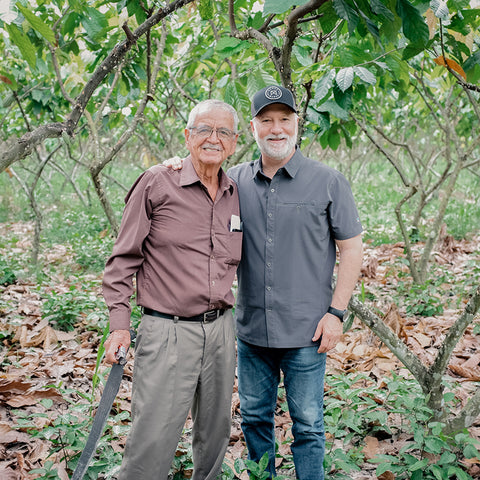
94	23
228	46
365	75
346	11
334	109
23	43
321	119
324	85
413	24
236	97
440	9
472	61
380	9
280	6
37	23
344	78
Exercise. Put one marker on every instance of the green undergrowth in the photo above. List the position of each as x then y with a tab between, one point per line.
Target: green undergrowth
356	409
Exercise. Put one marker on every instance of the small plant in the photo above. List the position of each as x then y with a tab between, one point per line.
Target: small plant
431	454
7	273
182	466
64	310
255	470
425	300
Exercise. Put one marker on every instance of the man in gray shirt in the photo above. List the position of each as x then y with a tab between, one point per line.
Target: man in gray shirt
296	212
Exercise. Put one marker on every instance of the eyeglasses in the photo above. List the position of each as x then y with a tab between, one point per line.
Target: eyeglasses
204	132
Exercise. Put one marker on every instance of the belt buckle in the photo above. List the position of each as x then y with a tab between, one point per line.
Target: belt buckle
210	316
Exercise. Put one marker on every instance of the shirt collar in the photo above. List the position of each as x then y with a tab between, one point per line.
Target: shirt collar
290	168
188	176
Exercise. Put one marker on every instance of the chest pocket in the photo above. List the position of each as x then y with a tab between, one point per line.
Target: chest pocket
307	218
234	248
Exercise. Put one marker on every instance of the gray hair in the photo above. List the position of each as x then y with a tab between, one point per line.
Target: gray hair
212	104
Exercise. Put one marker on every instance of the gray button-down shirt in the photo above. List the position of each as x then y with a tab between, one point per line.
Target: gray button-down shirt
290	224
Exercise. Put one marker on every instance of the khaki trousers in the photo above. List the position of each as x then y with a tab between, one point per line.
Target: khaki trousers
180	366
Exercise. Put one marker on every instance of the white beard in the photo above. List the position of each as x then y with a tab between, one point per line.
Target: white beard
276	152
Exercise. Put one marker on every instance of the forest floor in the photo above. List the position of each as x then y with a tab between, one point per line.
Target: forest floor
34	357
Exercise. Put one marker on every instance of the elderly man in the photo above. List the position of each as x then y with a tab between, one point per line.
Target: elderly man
296	212
180	235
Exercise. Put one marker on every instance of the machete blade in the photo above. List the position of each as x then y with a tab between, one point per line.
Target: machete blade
104	407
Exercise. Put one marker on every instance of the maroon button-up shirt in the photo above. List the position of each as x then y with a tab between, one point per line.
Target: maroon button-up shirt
179	244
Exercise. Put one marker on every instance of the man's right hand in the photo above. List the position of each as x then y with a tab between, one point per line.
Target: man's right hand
115	340
175	163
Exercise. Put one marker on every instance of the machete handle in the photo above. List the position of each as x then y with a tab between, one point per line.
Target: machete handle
121	355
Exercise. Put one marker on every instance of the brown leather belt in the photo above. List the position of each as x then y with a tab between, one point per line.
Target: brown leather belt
205	317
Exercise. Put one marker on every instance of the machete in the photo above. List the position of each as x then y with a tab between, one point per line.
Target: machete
104	407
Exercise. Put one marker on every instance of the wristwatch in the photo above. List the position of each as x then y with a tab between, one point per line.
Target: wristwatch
338	313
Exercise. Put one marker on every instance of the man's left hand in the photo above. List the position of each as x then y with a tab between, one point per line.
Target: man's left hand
330	330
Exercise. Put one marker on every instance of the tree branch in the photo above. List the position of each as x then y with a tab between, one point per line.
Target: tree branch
24	145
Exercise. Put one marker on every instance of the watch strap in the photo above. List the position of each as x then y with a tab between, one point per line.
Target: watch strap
337	312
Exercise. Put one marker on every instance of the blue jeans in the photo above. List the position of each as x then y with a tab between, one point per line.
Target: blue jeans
258	378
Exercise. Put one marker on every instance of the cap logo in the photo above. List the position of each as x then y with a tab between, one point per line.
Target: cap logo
273	93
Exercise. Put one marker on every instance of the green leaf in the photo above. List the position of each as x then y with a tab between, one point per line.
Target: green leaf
440	9
324	85
383	467
345	11
322	120
365	75
472	61
333	108
344	78
373	29
413	24
411	51
380	9
471	452
280	6
94	23
263	462
228	46
459	473
206	9
418	465
343	100
23	43
71	21
329	17
37	23
333	139
435	445
235	97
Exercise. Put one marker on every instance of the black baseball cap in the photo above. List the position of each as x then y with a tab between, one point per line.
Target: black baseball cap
272	94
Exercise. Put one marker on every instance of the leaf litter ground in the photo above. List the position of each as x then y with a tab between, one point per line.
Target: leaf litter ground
35	358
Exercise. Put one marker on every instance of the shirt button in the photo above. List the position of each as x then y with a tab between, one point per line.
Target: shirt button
270	240
272	190
270	215
269	264
269	288
213	283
